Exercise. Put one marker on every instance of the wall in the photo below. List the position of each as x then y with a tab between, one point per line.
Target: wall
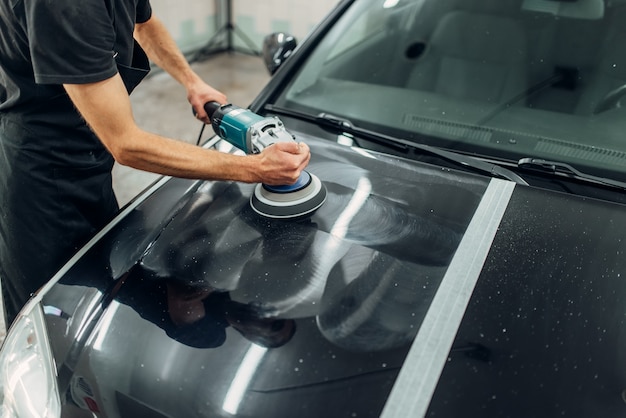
193	22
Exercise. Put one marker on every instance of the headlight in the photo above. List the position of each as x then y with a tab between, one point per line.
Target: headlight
28	381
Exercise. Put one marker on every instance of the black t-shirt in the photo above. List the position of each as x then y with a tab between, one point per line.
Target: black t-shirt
47	43
44	44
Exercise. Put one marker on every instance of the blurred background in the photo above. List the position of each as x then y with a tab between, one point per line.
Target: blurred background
193	22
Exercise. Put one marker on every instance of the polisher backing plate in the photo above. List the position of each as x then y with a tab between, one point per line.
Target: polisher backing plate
292	204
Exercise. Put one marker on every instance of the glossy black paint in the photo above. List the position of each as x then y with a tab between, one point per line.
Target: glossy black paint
332	302
334	310
548	313
326	309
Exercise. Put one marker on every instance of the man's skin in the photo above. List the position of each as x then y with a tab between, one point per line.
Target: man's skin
106	107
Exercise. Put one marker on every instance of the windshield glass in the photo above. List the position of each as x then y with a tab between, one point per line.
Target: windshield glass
501	78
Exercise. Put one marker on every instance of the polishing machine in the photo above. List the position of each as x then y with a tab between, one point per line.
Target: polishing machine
252	133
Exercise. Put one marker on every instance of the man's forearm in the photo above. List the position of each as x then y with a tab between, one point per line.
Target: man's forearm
155	39
163	51
106	107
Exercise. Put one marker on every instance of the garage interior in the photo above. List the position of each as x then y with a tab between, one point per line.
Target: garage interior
222	39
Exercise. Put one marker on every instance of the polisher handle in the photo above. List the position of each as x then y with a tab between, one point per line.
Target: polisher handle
210	108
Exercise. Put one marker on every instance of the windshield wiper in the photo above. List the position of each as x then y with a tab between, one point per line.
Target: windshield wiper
566	170
342	125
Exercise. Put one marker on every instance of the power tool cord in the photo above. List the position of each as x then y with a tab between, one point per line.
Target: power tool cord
200	135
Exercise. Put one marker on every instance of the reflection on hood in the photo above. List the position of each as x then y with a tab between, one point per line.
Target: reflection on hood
198	316
366	264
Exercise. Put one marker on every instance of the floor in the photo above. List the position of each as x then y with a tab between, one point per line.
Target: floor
160	106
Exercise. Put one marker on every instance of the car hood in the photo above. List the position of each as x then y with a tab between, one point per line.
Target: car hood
413	288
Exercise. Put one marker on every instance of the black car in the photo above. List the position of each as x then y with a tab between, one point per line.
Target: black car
468	259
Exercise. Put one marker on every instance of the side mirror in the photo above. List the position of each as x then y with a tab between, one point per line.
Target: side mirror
277	47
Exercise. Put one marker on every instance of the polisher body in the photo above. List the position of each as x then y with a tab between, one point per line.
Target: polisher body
246	130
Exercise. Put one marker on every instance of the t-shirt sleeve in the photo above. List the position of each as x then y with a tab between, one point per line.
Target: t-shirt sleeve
144	11
70	41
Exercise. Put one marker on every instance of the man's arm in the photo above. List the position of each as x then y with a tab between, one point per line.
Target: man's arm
106	107
155	39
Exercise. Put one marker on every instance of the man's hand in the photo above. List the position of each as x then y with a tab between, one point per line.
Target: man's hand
200	93
282	162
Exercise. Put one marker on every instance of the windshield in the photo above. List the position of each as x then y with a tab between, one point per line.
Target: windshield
506	79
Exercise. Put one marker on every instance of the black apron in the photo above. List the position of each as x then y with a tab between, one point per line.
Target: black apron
55	190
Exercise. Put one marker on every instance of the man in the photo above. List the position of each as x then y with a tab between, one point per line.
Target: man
67	68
